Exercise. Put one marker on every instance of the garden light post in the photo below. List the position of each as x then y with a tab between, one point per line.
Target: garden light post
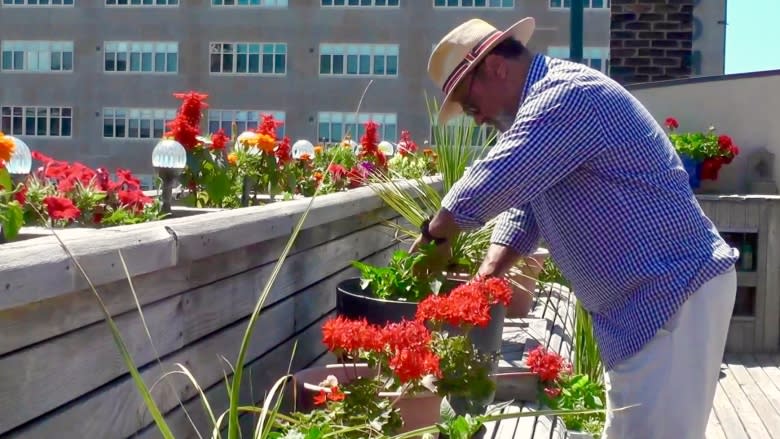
301	147
169	159
387	148
21	161
576	18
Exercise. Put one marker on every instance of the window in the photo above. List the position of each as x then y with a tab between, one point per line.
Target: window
244	119
591	4
473	3
38	2
595	57
359	59
136	123
359	3
141	57
36	121
257	3
458	127
249	58
142	2
333	127
37	56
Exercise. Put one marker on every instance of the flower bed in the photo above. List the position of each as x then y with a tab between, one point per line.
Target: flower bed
251	168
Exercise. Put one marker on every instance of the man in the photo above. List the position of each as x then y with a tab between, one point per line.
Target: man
581	163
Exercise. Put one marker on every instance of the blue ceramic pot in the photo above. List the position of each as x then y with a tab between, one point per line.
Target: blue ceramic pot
693	168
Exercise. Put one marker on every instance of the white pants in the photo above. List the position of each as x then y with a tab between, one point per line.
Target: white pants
672	379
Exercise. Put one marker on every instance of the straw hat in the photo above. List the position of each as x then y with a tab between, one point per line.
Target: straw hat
462	49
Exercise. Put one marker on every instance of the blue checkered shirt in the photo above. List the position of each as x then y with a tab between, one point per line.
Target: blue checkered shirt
586	167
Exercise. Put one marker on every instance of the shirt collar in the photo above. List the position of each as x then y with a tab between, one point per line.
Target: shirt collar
536	71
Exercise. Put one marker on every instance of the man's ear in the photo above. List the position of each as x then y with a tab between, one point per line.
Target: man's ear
497	66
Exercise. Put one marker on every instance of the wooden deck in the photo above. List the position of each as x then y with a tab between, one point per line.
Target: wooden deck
747	399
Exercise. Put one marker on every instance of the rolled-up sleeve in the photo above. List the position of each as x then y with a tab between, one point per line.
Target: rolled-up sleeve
517	229
554	132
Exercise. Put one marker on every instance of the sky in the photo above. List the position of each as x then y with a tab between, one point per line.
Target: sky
752	35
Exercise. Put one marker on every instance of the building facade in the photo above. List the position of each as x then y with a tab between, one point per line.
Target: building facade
92	80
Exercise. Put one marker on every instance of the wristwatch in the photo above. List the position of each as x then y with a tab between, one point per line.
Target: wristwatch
426	233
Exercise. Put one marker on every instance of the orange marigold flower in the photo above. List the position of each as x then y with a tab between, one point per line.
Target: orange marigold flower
318	150
305	157
6	147
232	159
428	151
266	143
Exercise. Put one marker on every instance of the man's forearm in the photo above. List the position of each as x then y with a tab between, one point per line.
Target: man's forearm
498	260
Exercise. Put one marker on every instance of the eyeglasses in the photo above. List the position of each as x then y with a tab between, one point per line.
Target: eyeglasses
465	103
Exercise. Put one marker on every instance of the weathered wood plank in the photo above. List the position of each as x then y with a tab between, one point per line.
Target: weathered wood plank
747	414
714	429
39	269
769	281
763	407
727	415
39	321
219	232
174	323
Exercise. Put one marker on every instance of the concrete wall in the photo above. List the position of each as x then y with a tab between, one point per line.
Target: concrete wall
197	279
745	106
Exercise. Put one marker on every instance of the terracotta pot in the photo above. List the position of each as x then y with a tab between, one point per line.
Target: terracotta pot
417	411
524	281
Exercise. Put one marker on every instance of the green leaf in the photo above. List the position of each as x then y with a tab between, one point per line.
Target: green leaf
5	180
13	219
219	187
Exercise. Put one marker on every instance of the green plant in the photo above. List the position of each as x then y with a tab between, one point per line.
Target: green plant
11	212
402	278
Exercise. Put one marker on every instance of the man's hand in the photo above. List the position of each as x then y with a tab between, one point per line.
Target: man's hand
442	226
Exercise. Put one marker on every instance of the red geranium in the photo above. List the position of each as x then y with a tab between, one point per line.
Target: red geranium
468	304
548	365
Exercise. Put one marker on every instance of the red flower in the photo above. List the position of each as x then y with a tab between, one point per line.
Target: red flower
671	123
552	392
405	334
335	394
548	365
406	145
711	167
60	208
413	363
186	126
133	199
284	151
468	304
268	125
21	195
219	140
337	171
348	335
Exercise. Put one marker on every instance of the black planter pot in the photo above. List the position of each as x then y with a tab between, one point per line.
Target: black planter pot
356	303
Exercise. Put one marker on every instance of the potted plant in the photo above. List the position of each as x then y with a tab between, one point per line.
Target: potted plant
562	389
412	363
703	154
